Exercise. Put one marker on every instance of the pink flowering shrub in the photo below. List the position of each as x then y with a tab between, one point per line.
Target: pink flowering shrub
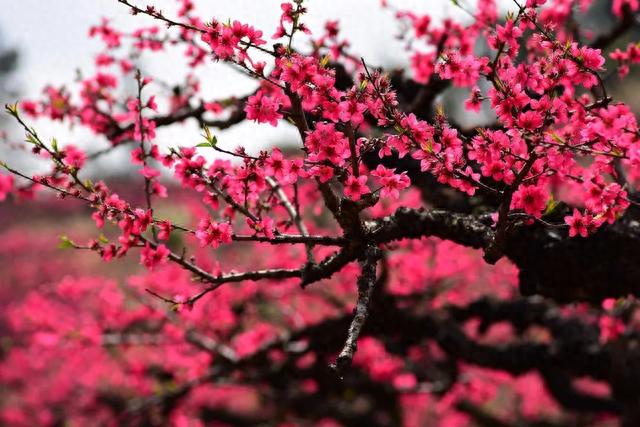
393	267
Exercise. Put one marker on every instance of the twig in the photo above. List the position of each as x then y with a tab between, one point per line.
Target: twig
293	214
366	284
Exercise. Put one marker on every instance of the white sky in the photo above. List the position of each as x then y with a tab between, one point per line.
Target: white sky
52	34
52	38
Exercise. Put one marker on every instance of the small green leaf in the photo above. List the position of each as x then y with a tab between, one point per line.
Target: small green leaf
552	204
103	239
31	139
54	144
427	146
557	138
12	109
212	140
66	243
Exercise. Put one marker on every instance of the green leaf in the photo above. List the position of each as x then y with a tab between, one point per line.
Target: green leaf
103	239
31	139
557	138
552	204
212	140
427	146
66	243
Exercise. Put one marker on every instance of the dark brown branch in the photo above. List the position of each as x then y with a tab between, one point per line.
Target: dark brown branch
237	116
406	223
366	283
293	239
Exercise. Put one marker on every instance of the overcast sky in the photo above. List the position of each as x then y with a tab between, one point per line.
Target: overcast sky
52	34
52	38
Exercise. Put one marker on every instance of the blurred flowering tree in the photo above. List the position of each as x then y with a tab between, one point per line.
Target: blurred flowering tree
393	268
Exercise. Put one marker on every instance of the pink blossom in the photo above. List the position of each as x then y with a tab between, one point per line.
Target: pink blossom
610	328
392	183
531	198
474	103
355	187
535	3
579	224
164	230
263	226
213	234
352	111
149	172
530	120
263	109
30	108
6	186
151	258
